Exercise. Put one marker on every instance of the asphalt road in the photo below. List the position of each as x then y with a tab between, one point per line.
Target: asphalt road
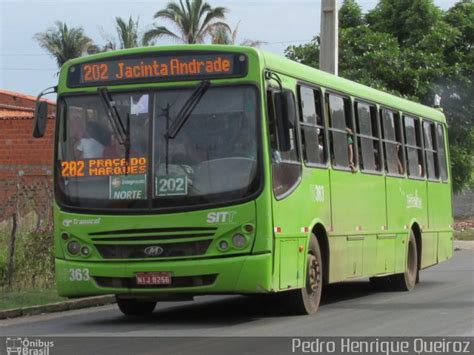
441	305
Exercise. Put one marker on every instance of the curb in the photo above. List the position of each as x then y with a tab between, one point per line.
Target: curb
57	307
463	245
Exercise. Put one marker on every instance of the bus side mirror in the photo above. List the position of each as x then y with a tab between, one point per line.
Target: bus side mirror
41	118
285	117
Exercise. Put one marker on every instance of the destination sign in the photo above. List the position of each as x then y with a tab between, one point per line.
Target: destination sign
103	167
157	67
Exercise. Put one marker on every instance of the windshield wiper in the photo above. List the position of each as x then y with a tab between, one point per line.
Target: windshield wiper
187	109
122	133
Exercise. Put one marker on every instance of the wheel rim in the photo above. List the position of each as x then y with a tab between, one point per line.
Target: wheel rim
314	276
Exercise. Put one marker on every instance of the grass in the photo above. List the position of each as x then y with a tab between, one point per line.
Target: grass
467	234
26	298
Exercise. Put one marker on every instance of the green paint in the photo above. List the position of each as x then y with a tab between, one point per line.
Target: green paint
367	217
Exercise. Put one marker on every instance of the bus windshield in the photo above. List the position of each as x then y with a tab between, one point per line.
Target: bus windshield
212	160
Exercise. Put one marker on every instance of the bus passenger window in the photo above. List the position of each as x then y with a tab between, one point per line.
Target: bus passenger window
368	137
312	126
431	154
393	142
342	134
414	147
443	169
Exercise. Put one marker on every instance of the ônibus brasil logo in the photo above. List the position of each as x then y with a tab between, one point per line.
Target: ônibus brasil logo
20	346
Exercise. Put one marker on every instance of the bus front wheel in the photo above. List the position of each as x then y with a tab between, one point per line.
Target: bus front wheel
306	300
134	307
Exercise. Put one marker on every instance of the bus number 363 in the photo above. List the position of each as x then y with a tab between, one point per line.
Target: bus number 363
79	275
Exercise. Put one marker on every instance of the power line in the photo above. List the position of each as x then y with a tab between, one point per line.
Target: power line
33	69
45	54
24	55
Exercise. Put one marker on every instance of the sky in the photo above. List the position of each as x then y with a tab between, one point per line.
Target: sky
25	67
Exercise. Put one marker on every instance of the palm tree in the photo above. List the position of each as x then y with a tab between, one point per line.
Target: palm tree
128	35
194	20
127	32
63	43
223	35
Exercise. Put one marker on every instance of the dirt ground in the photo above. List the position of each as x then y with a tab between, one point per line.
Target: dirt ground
464	223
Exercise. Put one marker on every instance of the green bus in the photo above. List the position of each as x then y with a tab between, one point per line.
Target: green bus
202	169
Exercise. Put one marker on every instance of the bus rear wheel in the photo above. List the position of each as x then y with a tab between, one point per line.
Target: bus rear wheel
407	280
306	300
134	307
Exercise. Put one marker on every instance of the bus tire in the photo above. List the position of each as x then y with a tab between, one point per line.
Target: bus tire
134	307
306	300
407	280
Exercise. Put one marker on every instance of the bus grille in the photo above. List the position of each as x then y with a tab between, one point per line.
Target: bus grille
179	230
153	251
179	281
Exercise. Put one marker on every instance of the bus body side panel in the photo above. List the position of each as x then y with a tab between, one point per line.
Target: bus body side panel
440	220
358	214
406	204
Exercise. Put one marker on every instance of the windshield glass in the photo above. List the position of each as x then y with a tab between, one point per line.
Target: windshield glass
212	159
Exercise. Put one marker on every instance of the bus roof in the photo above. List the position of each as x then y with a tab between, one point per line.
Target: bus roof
291	68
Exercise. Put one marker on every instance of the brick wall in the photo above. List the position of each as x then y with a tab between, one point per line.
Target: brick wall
25	162
25	168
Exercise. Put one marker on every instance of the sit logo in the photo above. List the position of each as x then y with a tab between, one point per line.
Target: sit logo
221	217
19	346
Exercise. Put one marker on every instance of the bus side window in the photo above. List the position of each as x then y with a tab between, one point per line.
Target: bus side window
431	153
443	169
342	134
414	147
312	126
286	168
368	136
393	142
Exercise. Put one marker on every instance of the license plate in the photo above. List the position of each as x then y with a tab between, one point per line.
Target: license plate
153	278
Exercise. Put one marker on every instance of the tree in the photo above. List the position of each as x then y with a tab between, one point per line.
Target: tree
224	35
408	20
128	35
193	19
350	14
414	50
307	53
63	43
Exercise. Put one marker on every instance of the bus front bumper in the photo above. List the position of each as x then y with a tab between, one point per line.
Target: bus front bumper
239	274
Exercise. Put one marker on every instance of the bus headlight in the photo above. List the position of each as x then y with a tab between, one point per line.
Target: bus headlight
85	251
239	241
223	245
73	247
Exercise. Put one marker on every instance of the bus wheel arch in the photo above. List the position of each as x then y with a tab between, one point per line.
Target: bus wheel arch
322	237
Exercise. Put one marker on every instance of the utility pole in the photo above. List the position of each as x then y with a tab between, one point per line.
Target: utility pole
329	49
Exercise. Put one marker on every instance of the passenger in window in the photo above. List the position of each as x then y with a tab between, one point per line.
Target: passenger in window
350	144
93	143
401	170
320	145
420	170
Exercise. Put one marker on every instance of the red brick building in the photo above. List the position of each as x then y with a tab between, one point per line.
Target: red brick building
25	162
